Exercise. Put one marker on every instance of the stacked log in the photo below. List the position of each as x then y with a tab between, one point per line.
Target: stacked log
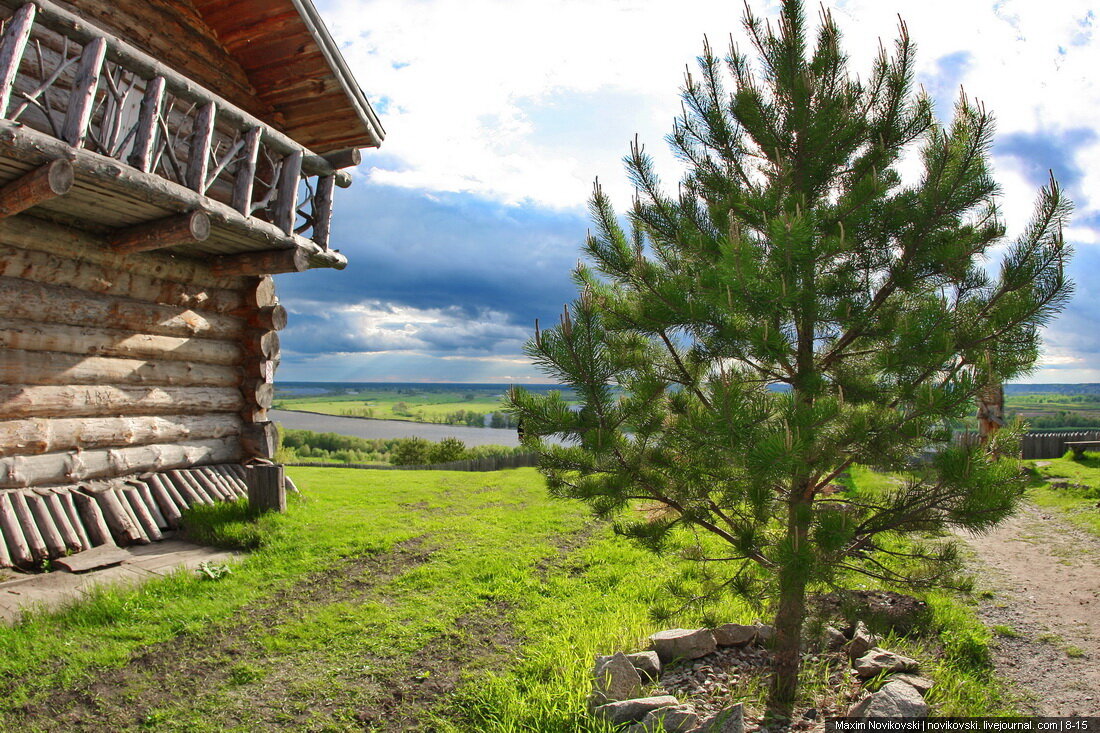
266	318
50	522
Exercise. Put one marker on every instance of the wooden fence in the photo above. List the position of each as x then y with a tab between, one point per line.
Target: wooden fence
1053	444
492	463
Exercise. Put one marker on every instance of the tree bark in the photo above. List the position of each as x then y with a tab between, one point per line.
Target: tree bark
791	612
17	401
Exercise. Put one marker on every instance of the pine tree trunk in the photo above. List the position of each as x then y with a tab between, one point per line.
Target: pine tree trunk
790	615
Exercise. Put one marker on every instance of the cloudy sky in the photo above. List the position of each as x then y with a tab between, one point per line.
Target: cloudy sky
463	227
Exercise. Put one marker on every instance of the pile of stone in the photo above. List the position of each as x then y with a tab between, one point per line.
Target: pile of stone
903	692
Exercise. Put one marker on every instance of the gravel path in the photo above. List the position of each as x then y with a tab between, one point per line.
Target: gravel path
1045	576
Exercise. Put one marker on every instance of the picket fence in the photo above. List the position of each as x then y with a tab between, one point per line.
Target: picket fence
1053	444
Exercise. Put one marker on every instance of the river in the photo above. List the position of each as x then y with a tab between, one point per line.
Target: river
364	428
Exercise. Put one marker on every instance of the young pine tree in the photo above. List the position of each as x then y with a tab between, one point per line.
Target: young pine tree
792	309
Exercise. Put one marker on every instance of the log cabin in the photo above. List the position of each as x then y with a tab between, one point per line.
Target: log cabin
160	160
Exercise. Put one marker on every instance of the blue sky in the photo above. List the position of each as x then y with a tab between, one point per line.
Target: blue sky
464	226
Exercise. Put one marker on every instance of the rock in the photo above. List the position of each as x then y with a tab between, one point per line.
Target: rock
894	700
682	644
862	641
633	711
615	679
834	639
647	664
666	720
880	660
727	720
734	634
922	684
764	633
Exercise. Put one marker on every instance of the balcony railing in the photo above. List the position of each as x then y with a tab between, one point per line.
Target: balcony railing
71	81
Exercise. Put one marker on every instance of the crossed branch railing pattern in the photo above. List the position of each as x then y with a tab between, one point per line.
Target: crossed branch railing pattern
62	77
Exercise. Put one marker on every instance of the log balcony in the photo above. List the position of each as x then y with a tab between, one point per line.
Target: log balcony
97	135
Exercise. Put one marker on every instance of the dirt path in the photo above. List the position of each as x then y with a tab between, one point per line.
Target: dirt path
1045	578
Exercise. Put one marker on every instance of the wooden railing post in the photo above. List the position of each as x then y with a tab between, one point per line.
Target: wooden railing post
12	46
286	202
148	117
246	172
201	136
79	113
322	210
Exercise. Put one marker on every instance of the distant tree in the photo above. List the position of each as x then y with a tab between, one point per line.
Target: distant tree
447	450
411	452
795	307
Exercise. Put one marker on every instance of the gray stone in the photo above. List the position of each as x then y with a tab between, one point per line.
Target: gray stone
734	634
878	660
922	684
862	641
615	679
632	711
834	639
895	699
666	720
727	720
647	664
764	633
682	644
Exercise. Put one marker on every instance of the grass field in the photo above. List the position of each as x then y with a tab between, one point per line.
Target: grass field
428	405
382	601
1080	500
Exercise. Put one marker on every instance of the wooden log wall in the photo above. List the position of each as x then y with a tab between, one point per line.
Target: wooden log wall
44	523
114	365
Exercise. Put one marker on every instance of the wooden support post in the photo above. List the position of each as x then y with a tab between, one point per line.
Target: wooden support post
260	440
266	488
269	262
146	139
79	113
202	133
168	232
12	46
347	158
245	177
42	184
322	210
286	201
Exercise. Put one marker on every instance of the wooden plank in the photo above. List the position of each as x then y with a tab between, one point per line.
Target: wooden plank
245	175
34	436
17	401
103	556
12	46
82	96
202	133
193	226
145	140
51	368
266	488
31	189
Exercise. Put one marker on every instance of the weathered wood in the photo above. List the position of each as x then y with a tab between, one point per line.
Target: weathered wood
97	401
32	436
48	367
17	545
12	46
346	158
269	262
258	393
266	488
168	232
177	499
146	493
26	520
145	140
245	175
196	487
261	345
65	468
61	521
260	440
92	517
261	369
199	476
5	556
183	488
259	293
82	96
269	318
286	200
55	304
228	482
122	523
114	178
74	517
202	133
103	556
138	509
322	210
55	545
152	276
291	487
169	509
41	184
30	336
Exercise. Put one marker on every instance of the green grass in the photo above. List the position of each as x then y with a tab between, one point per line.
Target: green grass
1079	503
379	583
